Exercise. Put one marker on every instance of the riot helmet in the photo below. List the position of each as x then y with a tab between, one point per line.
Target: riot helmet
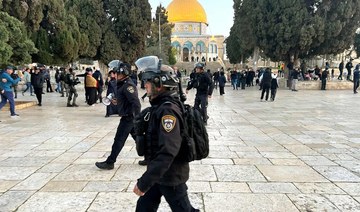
155	72
200	65
120	67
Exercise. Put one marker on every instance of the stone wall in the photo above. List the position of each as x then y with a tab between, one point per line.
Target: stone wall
316	85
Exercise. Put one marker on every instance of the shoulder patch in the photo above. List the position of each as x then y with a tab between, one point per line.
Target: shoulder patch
130	89
168	122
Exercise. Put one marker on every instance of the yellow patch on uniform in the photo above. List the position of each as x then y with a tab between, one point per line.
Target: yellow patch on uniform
168	122
131	89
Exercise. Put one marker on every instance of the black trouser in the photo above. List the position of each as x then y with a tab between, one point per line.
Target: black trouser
349	74
222	90
176	196
38	93
356	85
90	95
273	94
126	126
323	84
266	89
201	102
99	93
340	75
48	86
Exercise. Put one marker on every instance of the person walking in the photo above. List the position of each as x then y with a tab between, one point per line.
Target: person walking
324	76
294	76
129	106
27	79
166	174
204	88
111	89
222	81
341	68
274	86
356	78
349	66
265	80
6	84
37	81
100	84
72	81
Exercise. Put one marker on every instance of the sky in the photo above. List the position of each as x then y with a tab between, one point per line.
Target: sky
219	13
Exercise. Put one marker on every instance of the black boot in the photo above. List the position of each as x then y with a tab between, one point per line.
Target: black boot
104	165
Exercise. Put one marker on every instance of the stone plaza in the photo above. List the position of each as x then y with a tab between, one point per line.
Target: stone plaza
298	153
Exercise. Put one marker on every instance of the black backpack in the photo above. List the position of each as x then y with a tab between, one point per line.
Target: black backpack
195	139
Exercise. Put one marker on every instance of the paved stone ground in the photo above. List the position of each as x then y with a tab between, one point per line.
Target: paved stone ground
299	153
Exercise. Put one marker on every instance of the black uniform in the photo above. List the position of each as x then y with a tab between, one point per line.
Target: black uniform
111	88
128	107
324	76
166	173
266	83
204	86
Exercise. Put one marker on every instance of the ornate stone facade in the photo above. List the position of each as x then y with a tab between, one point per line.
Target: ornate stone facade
189	35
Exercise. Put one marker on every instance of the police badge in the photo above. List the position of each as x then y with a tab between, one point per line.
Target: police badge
168	122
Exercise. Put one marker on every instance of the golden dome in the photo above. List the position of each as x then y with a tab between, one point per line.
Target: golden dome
186	11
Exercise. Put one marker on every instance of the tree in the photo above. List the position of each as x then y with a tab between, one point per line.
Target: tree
91	18
241	42
130	20
286	30
357	44
48	20
152	41
15	47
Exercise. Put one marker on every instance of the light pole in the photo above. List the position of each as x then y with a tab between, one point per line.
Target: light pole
159	34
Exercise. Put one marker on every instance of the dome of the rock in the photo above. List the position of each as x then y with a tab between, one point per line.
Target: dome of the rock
186	11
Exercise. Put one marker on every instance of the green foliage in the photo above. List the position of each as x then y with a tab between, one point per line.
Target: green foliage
172	54
90	15
110	49
285	29
68	30
357	44
241	43
152	42
131	20
15	46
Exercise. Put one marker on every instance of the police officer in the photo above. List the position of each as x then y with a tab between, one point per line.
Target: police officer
72	81
204	86
129	106
166	173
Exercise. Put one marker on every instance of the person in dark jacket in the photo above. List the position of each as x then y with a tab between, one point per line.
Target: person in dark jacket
349	66
37	81
356	78
294	76
111	89
204	88
274	86
100	84
265	80
166	174
129	106
341	68
222	82
324	76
